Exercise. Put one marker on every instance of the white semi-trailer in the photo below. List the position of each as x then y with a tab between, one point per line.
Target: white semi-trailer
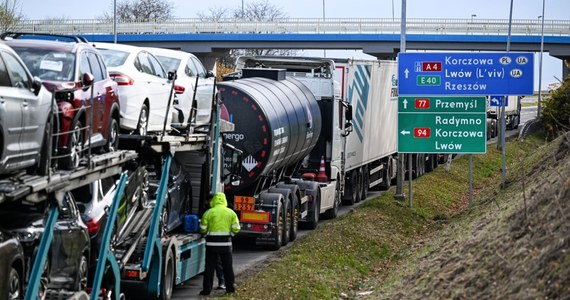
371	87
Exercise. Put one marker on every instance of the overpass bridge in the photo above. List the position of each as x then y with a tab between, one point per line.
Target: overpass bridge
379	37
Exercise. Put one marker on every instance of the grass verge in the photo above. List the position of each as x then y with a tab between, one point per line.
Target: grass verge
360	249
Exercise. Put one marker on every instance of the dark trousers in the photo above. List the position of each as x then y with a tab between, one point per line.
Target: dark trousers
213	254
220	273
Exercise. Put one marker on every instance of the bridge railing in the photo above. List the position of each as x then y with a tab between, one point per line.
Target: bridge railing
299	25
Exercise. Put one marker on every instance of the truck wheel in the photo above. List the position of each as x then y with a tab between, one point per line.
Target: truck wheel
365	183
358	186
350	191
167	279
429	163
315	212
278	234
294	220
287	216
386	176
415	167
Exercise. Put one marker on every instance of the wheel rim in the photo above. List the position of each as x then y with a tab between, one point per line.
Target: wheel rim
164	221
294	220
286	226
143	121
279	227
14	285
83	274
113	135
168	276
76	148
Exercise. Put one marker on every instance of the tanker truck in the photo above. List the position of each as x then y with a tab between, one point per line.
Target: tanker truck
292	126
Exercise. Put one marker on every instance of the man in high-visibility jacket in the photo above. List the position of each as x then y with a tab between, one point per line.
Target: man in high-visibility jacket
219	224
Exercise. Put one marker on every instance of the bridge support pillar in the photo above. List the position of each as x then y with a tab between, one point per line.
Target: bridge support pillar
565	68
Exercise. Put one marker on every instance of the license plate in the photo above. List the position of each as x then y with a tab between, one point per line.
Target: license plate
244	203
255	216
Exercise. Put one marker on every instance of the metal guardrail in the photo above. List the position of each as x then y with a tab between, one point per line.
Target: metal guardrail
298	25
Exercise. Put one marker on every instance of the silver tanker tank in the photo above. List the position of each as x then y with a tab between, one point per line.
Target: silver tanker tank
277	123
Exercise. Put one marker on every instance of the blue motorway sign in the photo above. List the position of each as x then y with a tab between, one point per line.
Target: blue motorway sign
495	100
499	73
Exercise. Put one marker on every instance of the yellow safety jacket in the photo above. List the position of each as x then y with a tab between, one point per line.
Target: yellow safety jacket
219	223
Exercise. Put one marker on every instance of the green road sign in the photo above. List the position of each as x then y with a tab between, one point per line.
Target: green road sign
442	125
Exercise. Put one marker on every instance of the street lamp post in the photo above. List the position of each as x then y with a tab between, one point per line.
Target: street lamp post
540	60
324	50
115	21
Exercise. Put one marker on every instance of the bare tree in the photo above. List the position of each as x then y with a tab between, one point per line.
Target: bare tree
260	10
142	10
10	14
255	11
214	14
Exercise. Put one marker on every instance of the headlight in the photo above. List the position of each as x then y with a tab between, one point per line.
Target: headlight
28	235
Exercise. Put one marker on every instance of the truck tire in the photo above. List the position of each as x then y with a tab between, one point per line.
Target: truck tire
429	163
295	206
358	186
287	216
365	183
167	277
294	227
386	173
350	189
278	234
415	158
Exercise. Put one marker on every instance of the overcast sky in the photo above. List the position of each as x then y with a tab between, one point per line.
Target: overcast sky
483	9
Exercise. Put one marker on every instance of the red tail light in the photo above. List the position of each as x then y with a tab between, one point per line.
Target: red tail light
179	89
122	79
93	226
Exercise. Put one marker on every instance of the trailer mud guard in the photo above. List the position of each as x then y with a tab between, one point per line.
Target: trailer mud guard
273	203
314	207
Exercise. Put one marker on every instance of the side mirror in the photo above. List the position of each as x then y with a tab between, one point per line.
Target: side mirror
36	85
210	74
87	80
172	75
348	113
235	161
235	180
